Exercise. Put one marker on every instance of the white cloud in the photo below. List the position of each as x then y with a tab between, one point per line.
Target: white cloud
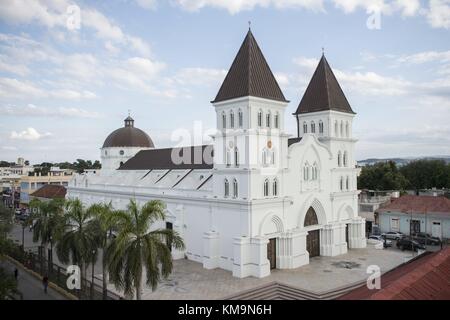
31	110
427	56
54	14
147	4
200	76
9	148
30	134
438	14
235	6
13	88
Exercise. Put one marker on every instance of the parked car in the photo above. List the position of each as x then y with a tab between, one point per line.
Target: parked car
373	239
393	235
409	244
426	239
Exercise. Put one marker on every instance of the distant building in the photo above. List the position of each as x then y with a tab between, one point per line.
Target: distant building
409	214
31	183
369	201
423	278
10	182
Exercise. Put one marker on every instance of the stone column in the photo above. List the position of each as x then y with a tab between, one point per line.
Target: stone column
332	240
357	233
250	257
211	250
291	249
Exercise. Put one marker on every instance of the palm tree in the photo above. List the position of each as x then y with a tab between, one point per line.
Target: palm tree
137	247
48	215
105	222
76	238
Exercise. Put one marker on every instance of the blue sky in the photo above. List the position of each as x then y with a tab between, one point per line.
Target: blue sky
63	90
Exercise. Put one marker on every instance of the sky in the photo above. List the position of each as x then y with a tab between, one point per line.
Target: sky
70	71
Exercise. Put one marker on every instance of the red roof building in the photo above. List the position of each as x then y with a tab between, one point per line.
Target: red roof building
50	191
418	204
426	277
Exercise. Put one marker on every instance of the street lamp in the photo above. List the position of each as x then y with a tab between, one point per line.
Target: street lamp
92	275
50	255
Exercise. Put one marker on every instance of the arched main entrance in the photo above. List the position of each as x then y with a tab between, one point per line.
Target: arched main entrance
313	237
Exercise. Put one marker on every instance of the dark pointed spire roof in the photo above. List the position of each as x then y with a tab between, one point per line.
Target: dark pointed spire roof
250	75
323	92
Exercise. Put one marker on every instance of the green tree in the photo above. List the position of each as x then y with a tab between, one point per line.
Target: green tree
425	174
76	238
8	286
104	224
6	222
137	247
382	176
47	216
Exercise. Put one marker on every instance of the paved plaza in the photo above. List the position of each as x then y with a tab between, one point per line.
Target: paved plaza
189	281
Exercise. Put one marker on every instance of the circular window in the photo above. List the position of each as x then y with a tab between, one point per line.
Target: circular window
122	152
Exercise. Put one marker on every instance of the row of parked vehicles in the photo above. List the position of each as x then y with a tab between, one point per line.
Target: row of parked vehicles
414	242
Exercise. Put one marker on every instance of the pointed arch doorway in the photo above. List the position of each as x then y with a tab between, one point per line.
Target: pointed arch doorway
313	237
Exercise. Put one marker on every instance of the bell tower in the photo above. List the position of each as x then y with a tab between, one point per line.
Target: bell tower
250	109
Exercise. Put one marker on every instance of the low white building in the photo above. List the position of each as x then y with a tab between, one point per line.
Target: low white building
257	198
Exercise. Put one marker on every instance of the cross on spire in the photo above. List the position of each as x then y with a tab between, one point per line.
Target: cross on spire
249	25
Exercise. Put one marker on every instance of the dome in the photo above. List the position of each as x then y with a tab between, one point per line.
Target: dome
128	136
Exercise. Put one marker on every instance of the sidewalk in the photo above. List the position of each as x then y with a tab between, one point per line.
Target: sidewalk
29	286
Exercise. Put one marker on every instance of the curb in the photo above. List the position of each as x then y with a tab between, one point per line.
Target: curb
38	276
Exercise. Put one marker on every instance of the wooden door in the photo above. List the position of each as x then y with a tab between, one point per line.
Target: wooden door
313	243
272	253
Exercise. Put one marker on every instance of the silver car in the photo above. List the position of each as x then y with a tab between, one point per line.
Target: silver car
393	235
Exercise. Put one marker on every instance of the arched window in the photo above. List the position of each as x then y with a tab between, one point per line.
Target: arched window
240	118
231	119
228	158
266	188
275	187
341	184
345	159
224	120
347	131
276	120
236	157
339	159
313	127
347	184
305	127
235	188
226	188
342	128
268	116
259	118
336	128
306	172
320	126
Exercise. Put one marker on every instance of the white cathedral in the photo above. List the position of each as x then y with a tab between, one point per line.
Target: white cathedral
257	198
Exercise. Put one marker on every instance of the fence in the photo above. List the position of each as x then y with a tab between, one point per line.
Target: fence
34	259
